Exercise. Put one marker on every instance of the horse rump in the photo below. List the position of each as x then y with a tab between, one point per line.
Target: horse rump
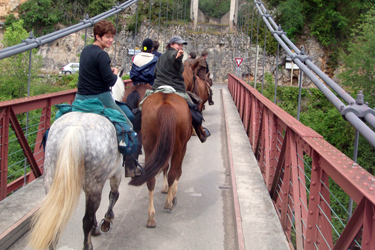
163	128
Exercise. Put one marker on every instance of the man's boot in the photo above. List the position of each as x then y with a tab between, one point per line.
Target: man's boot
210	102
202	133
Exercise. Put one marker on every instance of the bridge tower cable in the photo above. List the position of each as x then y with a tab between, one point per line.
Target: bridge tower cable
116	36
86	18
251	37
159	19
149	21
264	52
172	12
300	86
256	55
185	33
247	37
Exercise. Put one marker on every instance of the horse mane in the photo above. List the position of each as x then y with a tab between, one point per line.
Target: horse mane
118	89
133	99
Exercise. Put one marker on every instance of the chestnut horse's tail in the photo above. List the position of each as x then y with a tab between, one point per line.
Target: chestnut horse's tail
164	146
63	196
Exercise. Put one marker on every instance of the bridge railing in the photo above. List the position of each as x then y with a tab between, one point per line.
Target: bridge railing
300	170
21	151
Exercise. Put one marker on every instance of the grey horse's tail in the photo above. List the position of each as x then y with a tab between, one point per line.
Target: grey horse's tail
62	198
164	145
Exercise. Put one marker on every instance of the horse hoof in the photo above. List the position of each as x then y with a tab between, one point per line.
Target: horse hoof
164	192
174	202
170	207
105	226
95	231
151	224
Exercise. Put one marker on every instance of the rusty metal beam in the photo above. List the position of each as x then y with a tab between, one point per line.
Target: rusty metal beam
24	144
4	133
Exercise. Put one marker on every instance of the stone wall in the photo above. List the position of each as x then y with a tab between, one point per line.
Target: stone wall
220	46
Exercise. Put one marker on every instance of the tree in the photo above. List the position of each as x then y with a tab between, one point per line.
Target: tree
14	69
359	71
290	17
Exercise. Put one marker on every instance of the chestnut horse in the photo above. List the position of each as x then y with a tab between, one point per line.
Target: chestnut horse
199	86
166	122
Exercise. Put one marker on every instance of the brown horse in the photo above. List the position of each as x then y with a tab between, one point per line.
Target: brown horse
199	86
189	75
166	121
133	96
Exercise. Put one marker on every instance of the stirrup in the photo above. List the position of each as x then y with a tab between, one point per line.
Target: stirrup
135	172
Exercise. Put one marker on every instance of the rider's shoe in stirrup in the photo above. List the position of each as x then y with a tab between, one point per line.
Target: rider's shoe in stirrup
204	137
132	172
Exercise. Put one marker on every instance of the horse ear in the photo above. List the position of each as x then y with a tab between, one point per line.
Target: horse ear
121	72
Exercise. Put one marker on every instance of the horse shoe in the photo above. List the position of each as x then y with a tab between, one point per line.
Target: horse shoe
105	226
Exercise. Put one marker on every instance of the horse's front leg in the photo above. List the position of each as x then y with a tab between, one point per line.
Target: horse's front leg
151	223
92	205
106	223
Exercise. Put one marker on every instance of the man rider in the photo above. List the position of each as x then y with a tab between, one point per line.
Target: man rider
201	72
168	71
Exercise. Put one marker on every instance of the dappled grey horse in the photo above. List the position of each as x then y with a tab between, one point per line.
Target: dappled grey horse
81	153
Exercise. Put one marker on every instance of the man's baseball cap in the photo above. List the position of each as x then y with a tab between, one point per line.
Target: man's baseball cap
177	39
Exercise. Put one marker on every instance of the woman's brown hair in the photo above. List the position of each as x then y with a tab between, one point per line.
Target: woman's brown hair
103	27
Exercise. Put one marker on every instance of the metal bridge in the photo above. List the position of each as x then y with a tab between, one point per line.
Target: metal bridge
261	181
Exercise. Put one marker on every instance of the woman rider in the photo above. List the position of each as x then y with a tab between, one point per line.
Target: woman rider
168	71
95	73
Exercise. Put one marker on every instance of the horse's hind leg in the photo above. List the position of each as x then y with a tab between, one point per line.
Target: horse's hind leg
151	223
92	205
106	224
165	186
173	176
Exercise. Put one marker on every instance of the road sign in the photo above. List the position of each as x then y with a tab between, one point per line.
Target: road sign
238	61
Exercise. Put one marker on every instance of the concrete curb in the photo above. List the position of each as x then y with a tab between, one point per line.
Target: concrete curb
16	212
259	224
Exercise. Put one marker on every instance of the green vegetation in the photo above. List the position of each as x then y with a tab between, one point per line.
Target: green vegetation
330	22
359	62
216	8
173	10
43	16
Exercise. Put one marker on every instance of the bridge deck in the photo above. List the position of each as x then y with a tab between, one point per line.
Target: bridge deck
204	217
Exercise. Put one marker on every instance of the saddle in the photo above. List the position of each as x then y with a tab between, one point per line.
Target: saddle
126	136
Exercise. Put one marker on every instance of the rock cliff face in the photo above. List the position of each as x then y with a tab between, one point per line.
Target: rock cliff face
9	7
222	48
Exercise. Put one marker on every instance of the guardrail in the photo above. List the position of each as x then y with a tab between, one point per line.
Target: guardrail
14	141
297	165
